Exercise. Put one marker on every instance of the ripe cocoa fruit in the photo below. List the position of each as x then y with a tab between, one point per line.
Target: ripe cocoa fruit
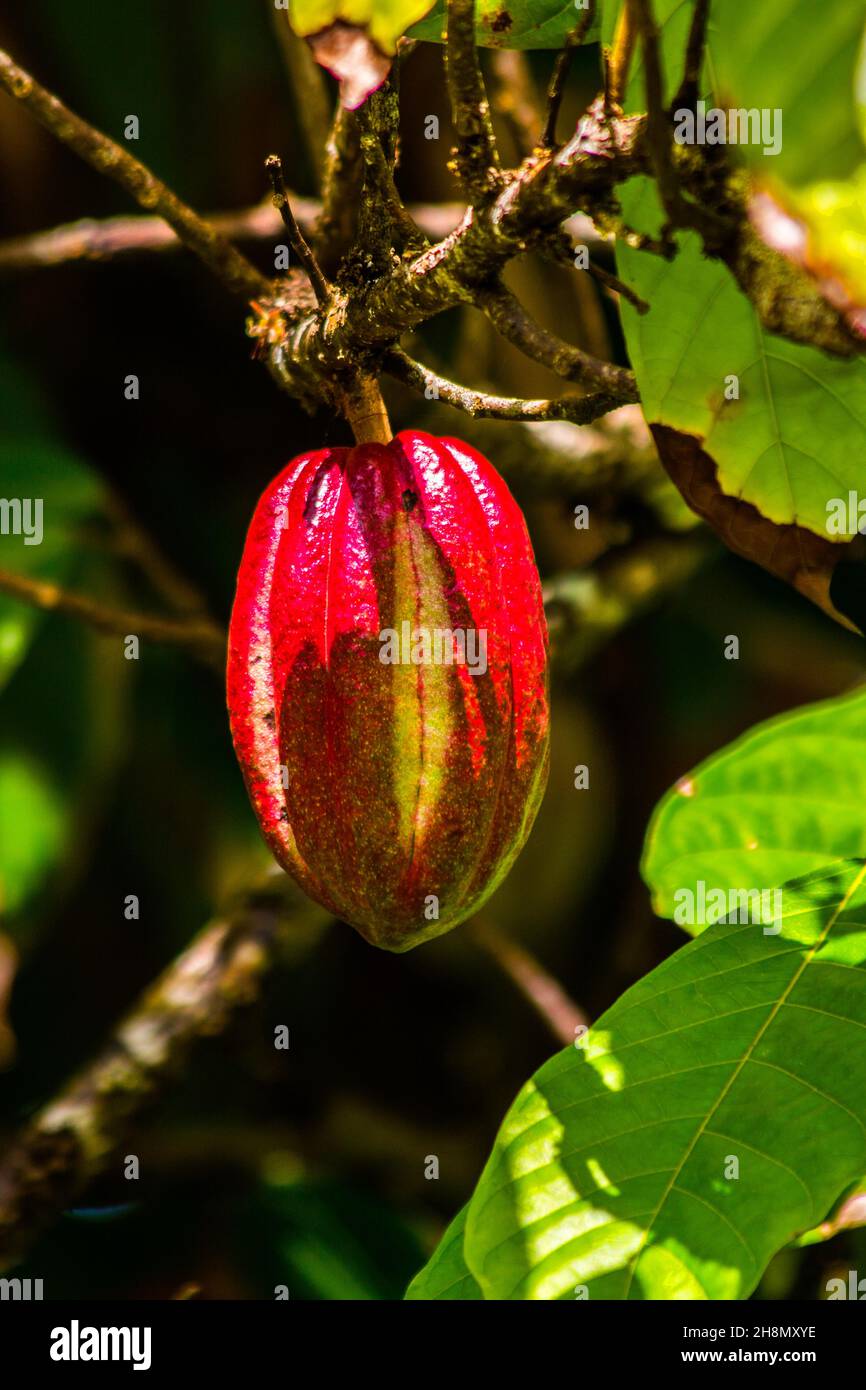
387	681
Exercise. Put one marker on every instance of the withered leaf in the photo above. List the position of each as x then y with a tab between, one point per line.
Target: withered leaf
831	573
350	55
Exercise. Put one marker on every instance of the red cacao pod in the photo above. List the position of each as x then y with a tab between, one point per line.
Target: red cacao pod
394	781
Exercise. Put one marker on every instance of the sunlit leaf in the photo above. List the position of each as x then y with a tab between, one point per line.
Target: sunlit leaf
785	799
445	1275
715	1111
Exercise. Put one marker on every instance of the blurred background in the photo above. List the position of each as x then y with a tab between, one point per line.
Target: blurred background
117	777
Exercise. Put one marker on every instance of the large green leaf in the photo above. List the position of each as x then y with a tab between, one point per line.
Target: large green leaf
522	24
787	798
791	441
613	1173
445	1275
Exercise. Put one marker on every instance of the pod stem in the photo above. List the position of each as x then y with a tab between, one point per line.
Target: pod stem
364	408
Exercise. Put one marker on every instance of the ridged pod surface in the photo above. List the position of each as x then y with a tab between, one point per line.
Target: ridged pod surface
395	783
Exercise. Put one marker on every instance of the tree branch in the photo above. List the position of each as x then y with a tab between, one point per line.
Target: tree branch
379	120
133	542
230	267
688	92
613	456
620	56
572	363
368	318
579	409
476	159
197	635
341	189
680	212
544	993
561	69
112	237
80	1133
586	608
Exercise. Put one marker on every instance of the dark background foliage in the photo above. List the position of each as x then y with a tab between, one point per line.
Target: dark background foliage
306	1167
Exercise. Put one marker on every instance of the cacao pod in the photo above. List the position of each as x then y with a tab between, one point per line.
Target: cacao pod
387	681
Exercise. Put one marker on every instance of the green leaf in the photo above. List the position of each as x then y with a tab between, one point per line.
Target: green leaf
787	445
384	20
785	799
445	1276
612	1176
523	24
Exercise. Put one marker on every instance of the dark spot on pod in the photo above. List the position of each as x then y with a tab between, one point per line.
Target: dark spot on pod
409	499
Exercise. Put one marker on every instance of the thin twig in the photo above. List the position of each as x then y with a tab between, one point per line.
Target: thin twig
476	158
198	635
134	543
514	323
563	1017
688	92
561	70
274	167
587	608
80	1133
580	410
227	263
561	246
658	125
617	286
680	212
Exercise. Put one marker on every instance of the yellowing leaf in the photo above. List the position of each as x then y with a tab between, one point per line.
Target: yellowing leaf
384	20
